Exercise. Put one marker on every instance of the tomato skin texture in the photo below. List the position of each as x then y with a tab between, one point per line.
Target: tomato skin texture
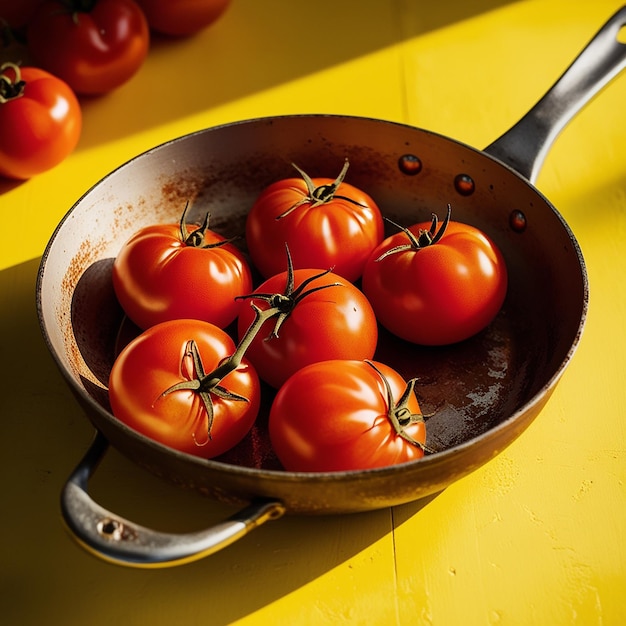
441	294
182	17
153	362
332	416
158	277
94	51
39	129
337	235
333	323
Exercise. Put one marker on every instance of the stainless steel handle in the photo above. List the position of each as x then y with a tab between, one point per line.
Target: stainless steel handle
525	145
123	542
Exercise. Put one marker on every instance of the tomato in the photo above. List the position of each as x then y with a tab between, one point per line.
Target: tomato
346	415
325	223
169	271
182	17
436	287
166	385
40	121
317	316
94	45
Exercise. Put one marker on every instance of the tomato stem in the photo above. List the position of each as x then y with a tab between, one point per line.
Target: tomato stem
399	413
234	361
208	385
203	390
10	89
283	304
424	239
197	237
318	195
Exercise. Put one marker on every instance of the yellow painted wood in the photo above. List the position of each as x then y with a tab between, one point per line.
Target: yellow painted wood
537	536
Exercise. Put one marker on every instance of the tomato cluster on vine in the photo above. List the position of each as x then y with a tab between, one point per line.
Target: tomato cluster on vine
211	341
56	51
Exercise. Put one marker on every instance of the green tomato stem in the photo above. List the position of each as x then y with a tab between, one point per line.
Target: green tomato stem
284	303
399	413
208	385
322	194
197	237
211	380
10	89
423	240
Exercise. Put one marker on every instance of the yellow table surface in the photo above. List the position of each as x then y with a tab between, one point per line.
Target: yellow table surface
536	536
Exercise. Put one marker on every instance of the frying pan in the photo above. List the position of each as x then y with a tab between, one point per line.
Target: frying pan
482	393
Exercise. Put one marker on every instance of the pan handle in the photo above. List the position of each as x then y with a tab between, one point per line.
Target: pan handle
123	542
525	145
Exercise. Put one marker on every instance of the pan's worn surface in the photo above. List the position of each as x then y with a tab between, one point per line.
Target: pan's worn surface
482	393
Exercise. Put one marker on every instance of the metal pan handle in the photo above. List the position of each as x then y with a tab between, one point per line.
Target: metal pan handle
120	541
525	145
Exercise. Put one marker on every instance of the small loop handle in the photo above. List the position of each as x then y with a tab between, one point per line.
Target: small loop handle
120	541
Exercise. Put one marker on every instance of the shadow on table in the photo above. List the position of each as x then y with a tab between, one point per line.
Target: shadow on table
43	434
256	46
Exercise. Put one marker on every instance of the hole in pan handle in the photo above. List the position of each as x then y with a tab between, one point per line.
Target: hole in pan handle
525	145
123	542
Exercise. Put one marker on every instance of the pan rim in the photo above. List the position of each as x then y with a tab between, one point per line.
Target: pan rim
313	477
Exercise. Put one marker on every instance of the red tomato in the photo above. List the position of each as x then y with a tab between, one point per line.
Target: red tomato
335	416
325	223
319	316
182	17
40	121
94	45
167	271
436	287
160	385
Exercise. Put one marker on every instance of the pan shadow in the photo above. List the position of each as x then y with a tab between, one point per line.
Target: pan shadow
43	434
270	563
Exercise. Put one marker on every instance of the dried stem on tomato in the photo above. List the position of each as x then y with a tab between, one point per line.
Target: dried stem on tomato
399	413
424	239
196	238
318	195
10	88
282	304
208	385
205	386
